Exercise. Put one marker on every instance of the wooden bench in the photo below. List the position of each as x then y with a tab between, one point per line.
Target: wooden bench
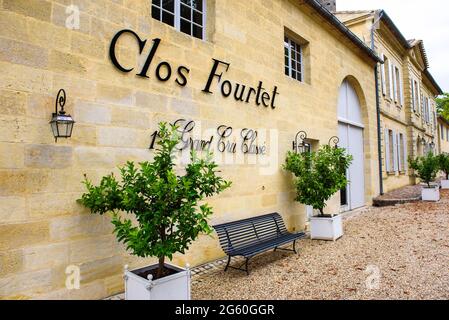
250	237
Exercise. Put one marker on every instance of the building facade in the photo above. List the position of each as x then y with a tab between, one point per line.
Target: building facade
407	94
443	133
263	70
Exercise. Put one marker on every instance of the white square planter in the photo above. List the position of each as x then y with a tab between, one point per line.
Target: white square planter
326	228
445	184
431	194
174	287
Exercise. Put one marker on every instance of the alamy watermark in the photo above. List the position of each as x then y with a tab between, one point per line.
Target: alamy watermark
72	21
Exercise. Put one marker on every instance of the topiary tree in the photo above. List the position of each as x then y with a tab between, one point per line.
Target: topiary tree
425	168
165	205
443	160
319	175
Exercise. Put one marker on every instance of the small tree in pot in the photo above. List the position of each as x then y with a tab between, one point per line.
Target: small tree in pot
318	176
426	169
165	205
443	160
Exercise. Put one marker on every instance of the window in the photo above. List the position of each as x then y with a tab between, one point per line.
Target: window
391	152
442	131
294	67
187	16
399	97
386	76
401	152
416	95
447	134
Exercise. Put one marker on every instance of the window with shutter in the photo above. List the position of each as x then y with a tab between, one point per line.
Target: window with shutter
395	151
382	75
390	79
400	160
413	96
405	153
401	89
395	85
387	150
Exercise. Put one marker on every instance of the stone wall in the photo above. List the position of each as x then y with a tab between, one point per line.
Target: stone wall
42	228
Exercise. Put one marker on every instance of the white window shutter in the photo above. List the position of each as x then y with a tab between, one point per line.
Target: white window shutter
387	151
395	85
382	73
390	79
419	94
413	96
399	151
401	89
404	142
395	152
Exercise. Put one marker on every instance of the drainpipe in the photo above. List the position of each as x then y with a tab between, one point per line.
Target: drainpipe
379	131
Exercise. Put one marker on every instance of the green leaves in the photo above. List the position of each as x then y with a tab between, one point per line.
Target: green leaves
443	161
319	175
426	167
443	105
165	205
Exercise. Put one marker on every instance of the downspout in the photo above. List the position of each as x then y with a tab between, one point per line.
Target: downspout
379	131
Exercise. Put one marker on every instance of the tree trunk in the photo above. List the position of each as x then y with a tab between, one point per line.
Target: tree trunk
322	212
160	270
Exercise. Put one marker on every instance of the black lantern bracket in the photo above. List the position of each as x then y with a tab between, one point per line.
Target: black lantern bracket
334	141
61	123
300	145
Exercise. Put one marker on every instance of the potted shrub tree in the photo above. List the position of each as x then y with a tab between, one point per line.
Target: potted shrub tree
168	216
443	160
426	169
320	175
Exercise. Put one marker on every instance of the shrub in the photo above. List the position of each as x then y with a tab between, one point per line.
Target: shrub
166	206
443	160
319	175
426	167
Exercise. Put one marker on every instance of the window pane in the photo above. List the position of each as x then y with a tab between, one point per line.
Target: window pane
197	32
197	18
293	59
168	18
169	5
156	13
157	3
186	12
196	4
186	27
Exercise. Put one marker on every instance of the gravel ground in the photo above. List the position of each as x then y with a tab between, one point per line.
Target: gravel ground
407	245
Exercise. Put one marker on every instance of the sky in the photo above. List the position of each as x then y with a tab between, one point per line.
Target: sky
417	19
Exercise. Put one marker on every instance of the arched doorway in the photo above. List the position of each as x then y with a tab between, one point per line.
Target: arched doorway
351	131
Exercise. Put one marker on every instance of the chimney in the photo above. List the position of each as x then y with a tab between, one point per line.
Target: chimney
330	5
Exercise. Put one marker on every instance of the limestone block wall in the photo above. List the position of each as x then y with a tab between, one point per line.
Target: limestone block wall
42	228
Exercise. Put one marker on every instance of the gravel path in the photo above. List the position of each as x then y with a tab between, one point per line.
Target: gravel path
407	245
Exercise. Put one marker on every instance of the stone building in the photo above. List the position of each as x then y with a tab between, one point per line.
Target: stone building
443	133
299	68
407	93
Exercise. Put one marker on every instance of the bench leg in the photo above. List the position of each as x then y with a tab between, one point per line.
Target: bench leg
227	266
247	270
294	247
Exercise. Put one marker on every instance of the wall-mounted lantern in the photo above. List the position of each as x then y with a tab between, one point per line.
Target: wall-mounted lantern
334	141
423	141
61	123
432	145
300	145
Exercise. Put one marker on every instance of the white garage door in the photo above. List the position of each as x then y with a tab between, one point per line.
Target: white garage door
350	128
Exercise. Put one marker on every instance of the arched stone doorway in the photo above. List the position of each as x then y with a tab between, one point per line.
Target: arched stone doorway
351	134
